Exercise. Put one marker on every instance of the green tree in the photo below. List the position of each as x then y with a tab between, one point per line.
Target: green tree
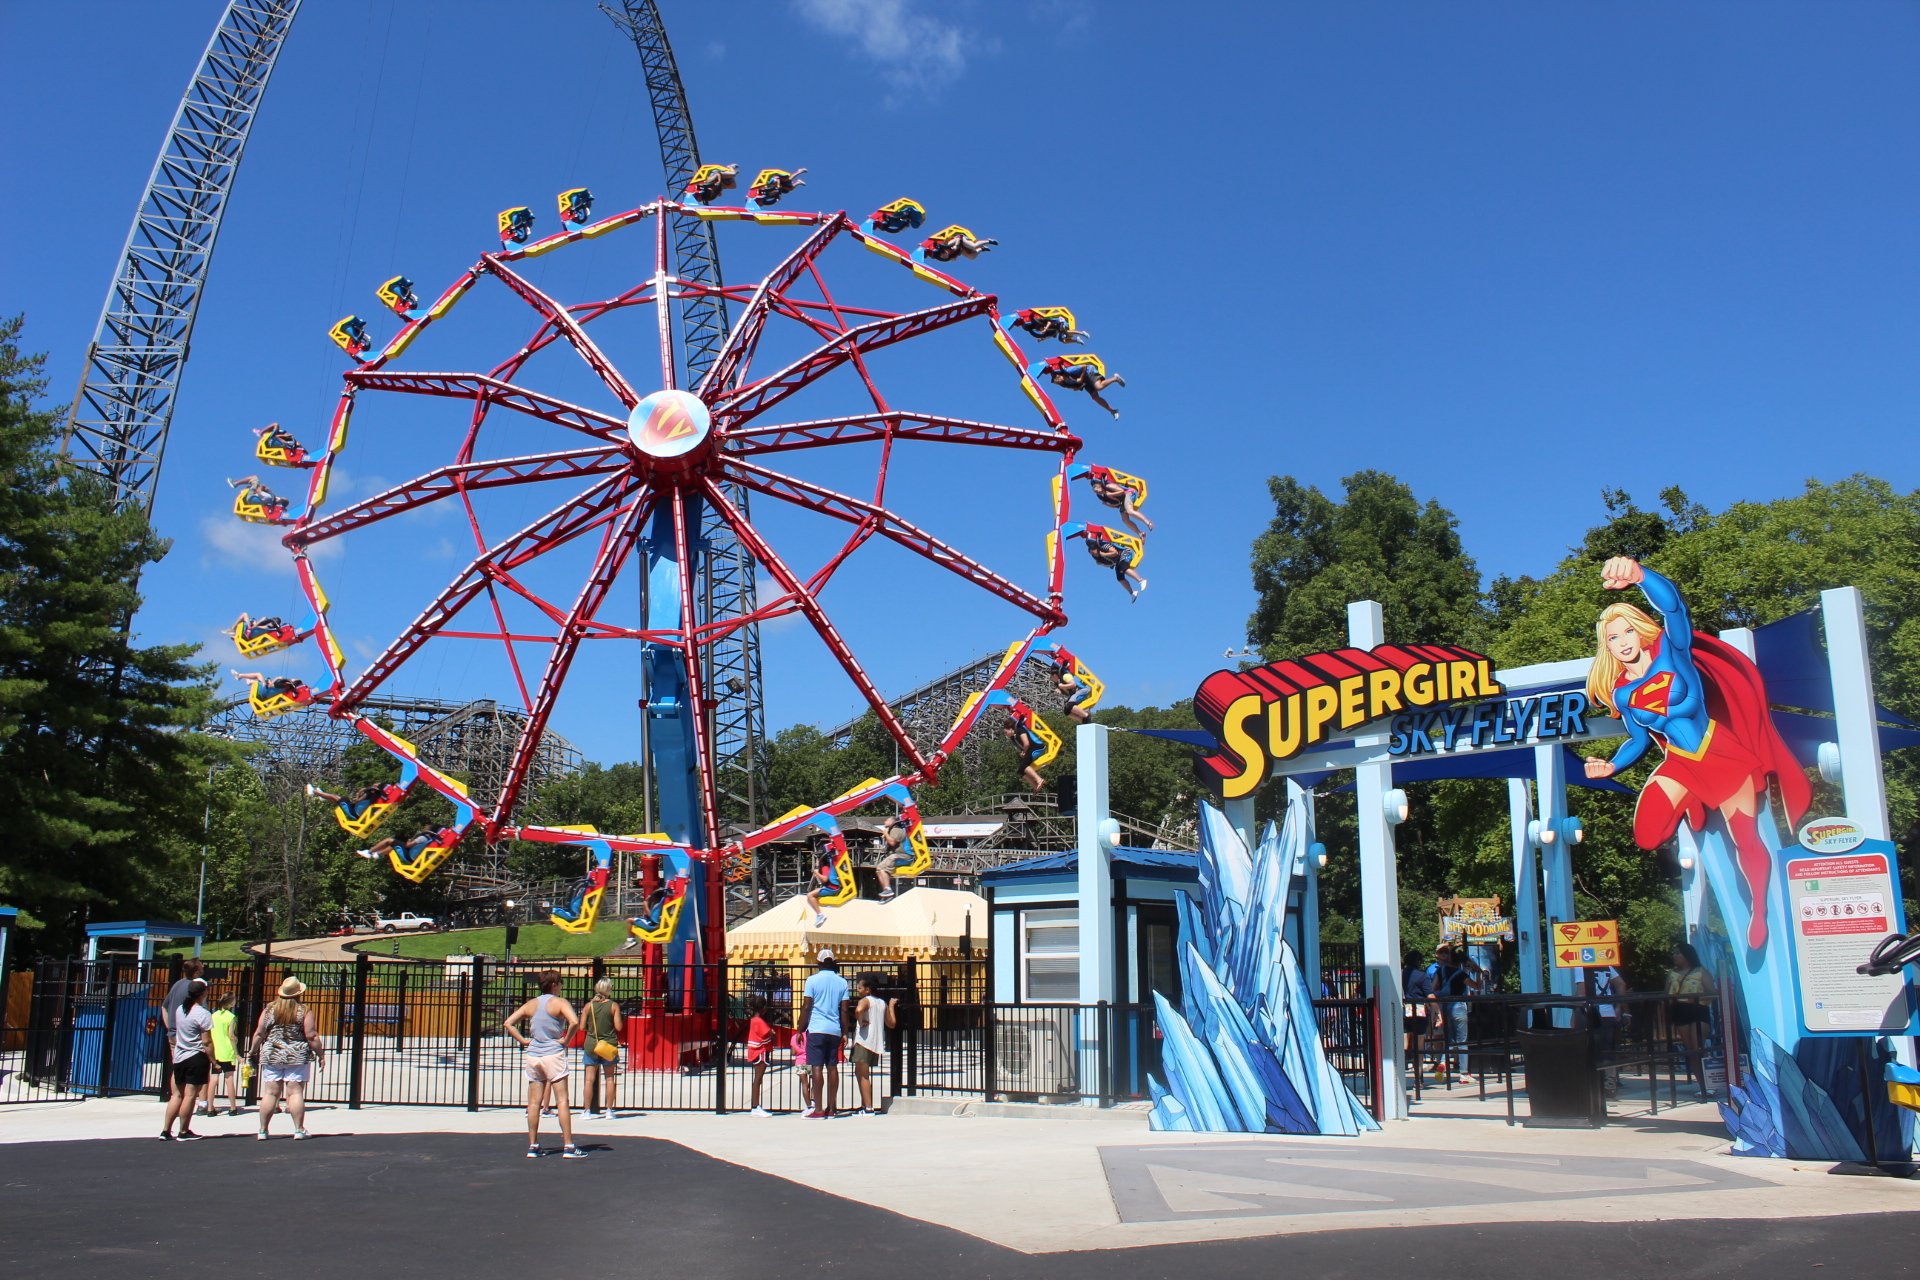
1379	543
96	775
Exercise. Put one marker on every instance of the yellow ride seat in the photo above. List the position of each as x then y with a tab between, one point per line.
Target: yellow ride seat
429	858
662	931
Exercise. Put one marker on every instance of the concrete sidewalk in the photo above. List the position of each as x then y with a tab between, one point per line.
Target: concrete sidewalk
1102	1180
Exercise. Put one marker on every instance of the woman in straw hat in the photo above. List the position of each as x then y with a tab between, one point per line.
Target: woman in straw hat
287	1042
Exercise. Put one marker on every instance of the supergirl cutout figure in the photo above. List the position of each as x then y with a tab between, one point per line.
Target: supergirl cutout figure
1703	701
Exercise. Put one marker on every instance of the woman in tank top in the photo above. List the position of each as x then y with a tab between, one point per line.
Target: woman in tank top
603	1022
872	1015
550	1021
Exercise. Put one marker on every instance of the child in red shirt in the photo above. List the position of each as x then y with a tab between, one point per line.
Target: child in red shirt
760	1042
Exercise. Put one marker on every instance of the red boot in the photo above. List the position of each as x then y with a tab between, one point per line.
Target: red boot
1756	868
1655	818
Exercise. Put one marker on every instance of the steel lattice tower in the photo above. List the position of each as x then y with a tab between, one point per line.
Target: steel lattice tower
733	668
117	426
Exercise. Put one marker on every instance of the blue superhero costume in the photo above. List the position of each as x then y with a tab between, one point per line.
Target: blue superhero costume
1705	703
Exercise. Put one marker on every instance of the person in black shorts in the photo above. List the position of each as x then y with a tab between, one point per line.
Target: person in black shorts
192	1063
1028	745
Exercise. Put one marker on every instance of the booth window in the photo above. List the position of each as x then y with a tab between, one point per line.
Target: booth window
1050	955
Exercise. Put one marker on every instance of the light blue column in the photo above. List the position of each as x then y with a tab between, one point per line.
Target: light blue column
1863	782
1861	779
1309	931
1379	886
1550	784
1096	831
1526	888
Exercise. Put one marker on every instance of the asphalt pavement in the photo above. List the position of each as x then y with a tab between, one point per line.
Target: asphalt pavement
456	1206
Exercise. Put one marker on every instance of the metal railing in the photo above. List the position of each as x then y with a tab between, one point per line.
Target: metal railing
429	1033
1641	1047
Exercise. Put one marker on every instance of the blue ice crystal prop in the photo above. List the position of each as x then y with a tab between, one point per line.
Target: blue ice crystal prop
1243	1054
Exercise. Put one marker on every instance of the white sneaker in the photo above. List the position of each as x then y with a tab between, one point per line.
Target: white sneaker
760	1111
364	853
819	919
312	790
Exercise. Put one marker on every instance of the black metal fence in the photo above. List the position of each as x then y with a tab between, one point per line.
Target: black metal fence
1649	1045
430	1033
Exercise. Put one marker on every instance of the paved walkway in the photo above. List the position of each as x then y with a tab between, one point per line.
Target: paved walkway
469	1207
1102	1180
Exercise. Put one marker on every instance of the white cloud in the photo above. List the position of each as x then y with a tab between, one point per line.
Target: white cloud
235	544
914	48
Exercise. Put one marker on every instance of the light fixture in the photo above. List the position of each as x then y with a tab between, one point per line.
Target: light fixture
509	904
1318	852
1686	862
1394	801
1828	758
1540	833
1110	833
1575	830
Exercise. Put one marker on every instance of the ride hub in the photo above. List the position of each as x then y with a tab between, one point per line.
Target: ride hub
670	426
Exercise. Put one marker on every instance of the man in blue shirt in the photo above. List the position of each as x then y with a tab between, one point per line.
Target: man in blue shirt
823	1015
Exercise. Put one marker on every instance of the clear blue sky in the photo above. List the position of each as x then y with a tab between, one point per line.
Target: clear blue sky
1513	253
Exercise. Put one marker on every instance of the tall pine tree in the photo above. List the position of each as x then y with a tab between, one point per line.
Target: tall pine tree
97	777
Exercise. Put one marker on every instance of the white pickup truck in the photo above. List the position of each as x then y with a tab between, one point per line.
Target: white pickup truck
404	922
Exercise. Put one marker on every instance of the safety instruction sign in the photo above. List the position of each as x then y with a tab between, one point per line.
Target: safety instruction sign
1585	944
1842	904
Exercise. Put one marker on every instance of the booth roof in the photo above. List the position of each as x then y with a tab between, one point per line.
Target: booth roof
1131	863
145	928
919	921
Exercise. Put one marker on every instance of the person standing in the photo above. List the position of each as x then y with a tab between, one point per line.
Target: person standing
1689	984
1452	980
226	1057
190	972
550	1022
823	1014
192	1037
872	1016
603	1020
287	1042
1606	986
1416	1018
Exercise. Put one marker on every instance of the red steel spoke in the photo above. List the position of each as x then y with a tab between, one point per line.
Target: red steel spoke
472	386
745	336
617	543
868	427
817	616
460	478
564	523
758	397
887	525
562	319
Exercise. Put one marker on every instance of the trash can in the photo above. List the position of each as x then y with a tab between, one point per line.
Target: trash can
1563	1089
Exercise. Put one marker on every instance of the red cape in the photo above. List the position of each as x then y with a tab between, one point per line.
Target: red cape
1737	699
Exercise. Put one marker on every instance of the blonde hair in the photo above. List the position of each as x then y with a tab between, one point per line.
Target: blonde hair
288	1009
603	988
1604	674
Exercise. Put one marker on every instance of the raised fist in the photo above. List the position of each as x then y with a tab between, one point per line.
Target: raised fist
1621	572
1599	768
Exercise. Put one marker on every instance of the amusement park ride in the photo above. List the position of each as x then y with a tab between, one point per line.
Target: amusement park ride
659	478
639	484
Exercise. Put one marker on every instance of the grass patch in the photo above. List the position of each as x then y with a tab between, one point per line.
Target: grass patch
233	949
537	942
